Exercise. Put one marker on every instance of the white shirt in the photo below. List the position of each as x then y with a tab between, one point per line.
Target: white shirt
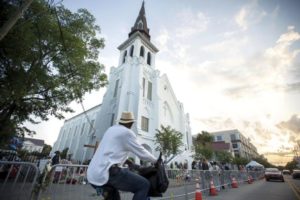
115	146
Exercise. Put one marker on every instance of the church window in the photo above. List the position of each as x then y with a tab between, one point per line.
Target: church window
82	128
144	85
116	88
149	94
124	56
145	124
149	58
91	124
112	119
140	25
131	50
142	51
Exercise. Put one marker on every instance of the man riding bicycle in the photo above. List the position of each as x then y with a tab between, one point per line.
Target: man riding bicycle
105	168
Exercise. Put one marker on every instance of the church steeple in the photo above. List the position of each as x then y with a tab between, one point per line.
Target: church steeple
141	24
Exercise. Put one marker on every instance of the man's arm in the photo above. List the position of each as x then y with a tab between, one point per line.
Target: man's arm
135	147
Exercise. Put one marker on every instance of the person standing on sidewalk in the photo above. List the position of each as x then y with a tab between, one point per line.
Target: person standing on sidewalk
105	167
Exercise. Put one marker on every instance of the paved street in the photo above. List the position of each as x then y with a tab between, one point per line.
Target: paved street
262	190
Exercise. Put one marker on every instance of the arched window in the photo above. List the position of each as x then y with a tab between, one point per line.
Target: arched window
142	51
140	25
124	56
149	58
131	50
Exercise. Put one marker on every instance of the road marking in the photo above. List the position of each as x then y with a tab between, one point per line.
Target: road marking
294	188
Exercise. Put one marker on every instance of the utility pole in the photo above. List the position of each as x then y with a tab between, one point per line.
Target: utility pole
14	18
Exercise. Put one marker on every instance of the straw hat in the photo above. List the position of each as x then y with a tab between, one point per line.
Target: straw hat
126	117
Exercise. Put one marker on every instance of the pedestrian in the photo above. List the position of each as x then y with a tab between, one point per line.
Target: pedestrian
105	167
58	169
56	158
205	165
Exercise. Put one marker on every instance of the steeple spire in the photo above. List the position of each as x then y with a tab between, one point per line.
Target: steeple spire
141	23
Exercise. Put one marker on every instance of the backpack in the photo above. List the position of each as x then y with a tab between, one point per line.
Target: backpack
162	179
157	177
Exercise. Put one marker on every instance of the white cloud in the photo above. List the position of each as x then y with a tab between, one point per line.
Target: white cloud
249	14
190	23
162	40
240	18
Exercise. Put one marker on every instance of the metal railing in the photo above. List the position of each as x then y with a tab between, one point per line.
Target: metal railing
68	181
17	179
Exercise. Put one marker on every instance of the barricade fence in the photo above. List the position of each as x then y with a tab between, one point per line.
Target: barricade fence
17	180
20	180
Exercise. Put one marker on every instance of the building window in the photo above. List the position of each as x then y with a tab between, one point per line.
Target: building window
234	145
91	126
82	128
112	119
140	25
116	88
144	85
124	56
131	50
142	51
149	94
149	58
145	124
232	137
219	138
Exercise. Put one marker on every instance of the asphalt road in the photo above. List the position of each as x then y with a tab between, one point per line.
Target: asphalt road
263	190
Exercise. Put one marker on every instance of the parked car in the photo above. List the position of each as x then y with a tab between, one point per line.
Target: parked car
296	173
273	174
286	171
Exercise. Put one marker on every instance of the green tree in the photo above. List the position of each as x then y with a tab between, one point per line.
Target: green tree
202	145
291	165
264	161
169	141
224	156
240	161
46	150
47	60
64	153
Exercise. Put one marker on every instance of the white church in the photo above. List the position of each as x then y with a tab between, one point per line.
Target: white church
137	86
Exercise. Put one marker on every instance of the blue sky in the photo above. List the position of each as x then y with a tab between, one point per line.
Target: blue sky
234	64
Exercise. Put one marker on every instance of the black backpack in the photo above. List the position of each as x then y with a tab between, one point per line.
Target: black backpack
162	179
157	177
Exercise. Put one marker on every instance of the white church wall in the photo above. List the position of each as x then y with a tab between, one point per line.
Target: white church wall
76	132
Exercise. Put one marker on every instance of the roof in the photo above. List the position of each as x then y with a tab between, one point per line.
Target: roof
220	145
140	24
37	142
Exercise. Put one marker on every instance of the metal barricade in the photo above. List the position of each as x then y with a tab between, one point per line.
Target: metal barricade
68	181
17	180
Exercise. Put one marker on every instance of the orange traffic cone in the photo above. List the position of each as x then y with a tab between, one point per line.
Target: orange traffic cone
198	194
234	183
212	189
249	180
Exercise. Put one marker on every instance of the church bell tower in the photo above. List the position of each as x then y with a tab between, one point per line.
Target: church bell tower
133	85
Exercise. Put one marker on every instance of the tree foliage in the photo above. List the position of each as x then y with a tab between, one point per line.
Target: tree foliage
224	156
64	153
48	59
169	140
264	161
202	145
240	161
46	150
292	165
